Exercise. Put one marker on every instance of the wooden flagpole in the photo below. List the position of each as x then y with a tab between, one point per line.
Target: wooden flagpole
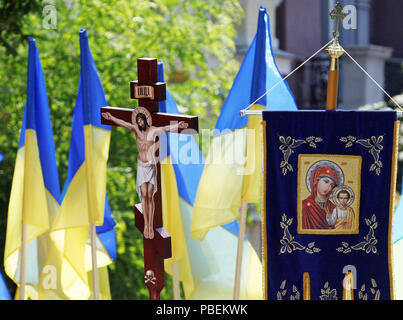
95	277
23	266
335	51
241	236
175	280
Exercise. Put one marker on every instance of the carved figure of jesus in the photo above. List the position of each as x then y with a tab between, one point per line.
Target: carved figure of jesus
146	180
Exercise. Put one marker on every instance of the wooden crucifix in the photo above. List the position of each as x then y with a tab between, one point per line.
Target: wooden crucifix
147	124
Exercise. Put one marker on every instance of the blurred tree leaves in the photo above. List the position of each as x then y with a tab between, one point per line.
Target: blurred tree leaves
193	38
12	20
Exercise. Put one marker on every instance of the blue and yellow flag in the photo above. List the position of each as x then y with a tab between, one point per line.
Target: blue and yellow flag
233	166
207	268
4	294
84	195
35	189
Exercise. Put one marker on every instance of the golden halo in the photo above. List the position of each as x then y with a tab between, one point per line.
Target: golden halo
321	163
346	189
143	111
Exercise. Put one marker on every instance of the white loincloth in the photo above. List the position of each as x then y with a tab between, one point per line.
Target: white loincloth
146	172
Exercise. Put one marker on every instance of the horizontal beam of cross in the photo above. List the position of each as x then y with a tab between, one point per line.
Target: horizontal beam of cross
159	118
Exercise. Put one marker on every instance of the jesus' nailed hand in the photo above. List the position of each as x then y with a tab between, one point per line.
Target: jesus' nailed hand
146	180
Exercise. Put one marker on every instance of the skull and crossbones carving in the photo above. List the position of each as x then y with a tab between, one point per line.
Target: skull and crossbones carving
149	277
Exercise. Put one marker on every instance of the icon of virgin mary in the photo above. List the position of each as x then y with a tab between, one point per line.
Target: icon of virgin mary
322	178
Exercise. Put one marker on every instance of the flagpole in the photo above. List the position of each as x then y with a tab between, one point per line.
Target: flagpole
93	232
335	51
175	280
241	236
95	277
23	261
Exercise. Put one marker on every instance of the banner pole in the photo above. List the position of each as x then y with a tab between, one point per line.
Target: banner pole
335	51
95	277
175	280
23	262
241	236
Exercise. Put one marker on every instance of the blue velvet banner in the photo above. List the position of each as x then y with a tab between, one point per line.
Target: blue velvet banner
330	182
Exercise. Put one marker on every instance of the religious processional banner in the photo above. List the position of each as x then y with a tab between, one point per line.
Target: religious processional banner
329	193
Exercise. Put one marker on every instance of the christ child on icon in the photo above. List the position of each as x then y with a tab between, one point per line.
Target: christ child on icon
343	215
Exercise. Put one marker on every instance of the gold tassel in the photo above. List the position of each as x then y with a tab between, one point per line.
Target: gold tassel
306	286
348	288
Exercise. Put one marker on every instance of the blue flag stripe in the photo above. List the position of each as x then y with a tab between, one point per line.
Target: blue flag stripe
260	59
91	83
37	117
90	98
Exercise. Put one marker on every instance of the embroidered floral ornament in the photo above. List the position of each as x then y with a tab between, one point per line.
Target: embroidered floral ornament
369	243
281	294
289	245
373	144
328	294
287	146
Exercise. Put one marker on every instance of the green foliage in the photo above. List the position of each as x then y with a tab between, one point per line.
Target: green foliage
12	20
193	38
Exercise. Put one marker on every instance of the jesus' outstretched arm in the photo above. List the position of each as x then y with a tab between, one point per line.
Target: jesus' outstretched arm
120	122
172	128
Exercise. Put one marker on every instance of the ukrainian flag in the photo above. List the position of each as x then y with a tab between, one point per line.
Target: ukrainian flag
233	168
397	256
4	294
35	188
84	194
207	268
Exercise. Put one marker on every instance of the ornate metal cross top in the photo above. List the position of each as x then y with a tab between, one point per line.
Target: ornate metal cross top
338	15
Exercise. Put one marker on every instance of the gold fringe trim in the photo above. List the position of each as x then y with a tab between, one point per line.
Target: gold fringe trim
392	202
264	236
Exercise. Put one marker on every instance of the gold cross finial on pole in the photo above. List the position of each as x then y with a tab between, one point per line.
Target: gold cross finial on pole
335	51
338	15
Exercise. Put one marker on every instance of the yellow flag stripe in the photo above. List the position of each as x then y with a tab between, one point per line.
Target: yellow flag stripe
173	224
83	204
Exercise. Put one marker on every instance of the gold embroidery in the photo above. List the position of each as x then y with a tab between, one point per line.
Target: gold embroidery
369	243
288	242
373	144
376	293
288	144
283	292
371	292
328	294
